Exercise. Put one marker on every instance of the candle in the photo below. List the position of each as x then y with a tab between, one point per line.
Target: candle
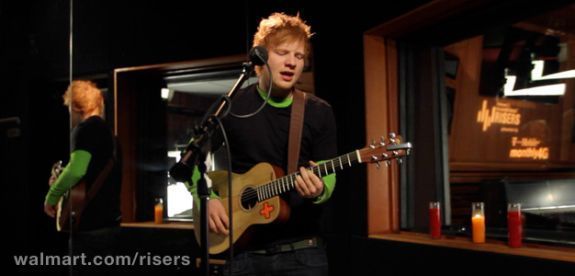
477	222
159	211
514	225
434	220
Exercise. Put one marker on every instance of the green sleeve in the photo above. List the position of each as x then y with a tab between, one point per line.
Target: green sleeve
72	173
328	187
193	188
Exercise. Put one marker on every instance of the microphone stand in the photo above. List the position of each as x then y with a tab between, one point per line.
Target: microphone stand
196	153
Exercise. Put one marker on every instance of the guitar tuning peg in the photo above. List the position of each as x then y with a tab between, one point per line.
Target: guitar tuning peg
392	137
382	141
385	155
374	158
372	145
395	153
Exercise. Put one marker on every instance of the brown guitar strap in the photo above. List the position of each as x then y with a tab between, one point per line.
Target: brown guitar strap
295	129
90	194
103	174
99	181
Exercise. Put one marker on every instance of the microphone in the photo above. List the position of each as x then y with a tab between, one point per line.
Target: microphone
258	55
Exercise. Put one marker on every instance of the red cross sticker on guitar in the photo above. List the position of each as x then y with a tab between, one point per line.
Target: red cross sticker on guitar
266	210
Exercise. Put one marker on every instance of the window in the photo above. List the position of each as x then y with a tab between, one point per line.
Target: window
480	132
511	136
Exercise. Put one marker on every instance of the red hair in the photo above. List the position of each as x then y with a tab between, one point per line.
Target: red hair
279	28
84	97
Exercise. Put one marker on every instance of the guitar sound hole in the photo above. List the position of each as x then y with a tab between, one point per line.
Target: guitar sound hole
249	198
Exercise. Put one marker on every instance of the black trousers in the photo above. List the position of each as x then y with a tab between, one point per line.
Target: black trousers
302	262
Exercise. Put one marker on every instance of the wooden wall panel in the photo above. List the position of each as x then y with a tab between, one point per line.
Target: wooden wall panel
381	118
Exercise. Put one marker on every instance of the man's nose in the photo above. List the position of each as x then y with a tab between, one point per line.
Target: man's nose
290	61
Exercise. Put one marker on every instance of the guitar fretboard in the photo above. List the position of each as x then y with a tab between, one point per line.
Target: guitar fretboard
287	183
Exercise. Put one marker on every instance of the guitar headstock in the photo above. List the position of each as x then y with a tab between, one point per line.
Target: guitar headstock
385	150
57	168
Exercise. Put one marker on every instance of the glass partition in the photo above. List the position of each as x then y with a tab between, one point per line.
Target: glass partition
511	94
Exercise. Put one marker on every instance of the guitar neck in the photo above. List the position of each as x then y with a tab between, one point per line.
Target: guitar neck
287	183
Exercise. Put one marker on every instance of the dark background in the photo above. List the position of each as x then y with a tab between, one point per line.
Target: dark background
34	62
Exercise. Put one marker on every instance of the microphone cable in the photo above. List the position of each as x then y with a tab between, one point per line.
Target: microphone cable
245	116
230	209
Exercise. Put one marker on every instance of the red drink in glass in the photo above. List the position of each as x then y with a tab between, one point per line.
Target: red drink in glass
434	220
514	225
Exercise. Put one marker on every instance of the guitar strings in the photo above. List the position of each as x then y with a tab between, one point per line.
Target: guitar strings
278	186
271	189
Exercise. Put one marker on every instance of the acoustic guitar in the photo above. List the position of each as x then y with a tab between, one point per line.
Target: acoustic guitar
255	194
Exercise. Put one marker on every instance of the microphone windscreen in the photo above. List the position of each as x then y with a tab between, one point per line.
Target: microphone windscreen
259	55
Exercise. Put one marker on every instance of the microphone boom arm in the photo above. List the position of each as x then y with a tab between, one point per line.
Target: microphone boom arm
182	171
